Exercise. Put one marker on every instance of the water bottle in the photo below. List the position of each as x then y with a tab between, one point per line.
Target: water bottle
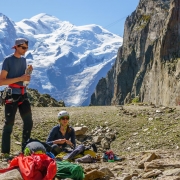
28	72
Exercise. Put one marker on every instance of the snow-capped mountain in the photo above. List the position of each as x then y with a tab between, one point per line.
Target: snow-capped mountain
68	60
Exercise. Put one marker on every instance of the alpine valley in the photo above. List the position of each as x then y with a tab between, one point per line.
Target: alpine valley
68	60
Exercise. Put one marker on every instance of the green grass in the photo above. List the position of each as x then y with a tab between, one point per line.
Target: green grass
136	133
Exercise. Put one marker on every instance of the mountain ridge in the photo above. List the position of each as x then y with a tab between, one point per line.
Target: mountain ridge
68	60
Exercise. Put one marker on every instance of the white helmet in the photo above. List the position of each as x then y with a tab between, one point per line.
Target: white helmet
62	113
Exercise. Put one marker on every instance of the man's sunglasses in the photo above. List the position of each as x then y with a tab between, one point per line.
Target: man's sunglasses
23	47
64	118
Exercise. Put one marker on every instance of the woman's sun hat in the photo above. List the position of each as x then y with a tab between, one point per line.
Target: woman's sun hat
62	114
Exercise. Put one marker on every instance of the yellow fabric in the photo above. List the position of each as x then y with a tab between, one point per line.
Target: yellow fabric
90	152
78	156
61	155
39	152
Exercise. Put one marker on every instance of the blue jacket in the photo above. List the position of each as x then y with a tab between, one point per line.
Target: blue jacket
55	134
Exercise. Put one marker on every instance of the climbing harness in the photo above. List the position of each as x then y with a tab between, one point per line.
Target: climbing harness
7	96
6	93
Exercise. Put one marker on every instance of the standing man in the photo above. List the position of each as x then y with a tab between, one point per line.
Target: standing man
13	75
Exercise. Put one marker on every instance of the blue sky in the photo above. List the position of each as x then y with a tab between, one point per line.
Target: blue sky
110	14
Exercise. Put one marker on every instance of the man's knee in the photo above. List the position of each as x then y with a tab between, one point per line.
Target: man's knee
28	123
8	128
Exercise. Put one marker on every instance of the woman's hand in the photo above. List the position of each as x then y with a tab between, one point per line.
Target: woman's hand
69	142
59	141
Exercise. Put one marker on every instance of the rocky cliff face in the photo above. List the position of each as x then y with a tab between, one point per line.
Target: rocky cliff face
148	63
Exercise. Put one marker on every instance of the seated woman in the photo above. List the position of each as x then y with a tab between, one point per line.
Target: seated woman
61	135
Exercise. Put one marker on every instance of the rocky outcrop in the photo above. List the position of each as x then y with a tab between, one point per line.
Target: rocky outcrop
43	100
147	64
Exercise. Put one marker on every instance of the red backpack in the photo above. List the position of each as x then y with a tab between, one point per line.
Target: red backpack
34	167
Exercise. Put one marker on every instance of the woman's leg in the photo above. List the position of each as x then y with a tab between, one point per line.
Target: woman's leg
56	149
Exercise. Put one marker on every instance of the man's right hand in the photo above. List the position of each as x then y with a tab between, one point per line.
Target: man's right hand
25	77
7	81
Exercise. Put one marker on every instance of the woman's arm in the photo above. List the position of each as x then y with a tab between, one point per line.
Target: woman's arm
52	139
59	141
71	135
51	136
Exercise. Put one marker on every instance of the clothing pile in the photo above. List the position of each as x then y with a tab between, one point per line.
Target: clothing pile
36	163
109	156
81	154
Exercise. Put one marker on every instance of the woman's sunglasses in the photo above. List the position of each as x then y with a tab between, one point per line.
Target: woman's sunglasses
64	118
